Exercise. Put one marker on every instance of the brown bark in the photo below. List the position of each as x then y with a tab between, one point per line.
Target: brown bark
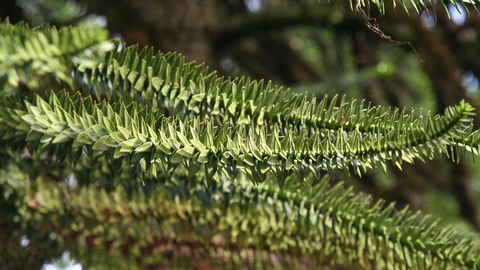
184	26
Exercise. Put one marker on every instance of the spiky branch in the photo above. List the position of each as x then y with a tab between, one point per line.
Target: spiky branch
187	140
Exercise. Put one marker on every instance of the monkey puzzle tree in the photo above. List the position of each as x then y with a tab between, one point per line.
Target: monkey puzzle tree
134	159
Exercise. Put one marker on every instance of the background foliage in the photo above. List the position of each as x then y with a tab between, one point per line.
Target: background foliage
310	46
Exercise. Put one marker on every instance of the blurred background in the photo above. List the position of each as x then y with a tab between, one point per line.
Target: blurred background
321	48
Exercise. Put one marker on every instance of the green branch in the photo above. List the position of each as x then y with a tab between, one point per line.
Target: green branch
29	56
119	131
167	123
229	218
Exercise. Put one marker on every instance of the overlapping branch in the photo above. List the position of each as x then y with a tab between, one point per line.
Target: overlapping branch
156	119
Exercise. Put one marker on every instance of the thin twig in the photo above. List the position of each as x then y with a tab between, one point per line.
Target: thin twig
374	27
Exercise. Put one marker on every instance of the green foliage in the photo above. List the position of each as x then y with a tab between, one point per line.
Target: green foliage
147	159
418	6
46	54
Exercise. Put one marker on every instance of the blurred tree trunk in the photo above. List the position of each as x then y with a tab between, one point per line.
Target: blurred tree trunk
9	9
184	26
